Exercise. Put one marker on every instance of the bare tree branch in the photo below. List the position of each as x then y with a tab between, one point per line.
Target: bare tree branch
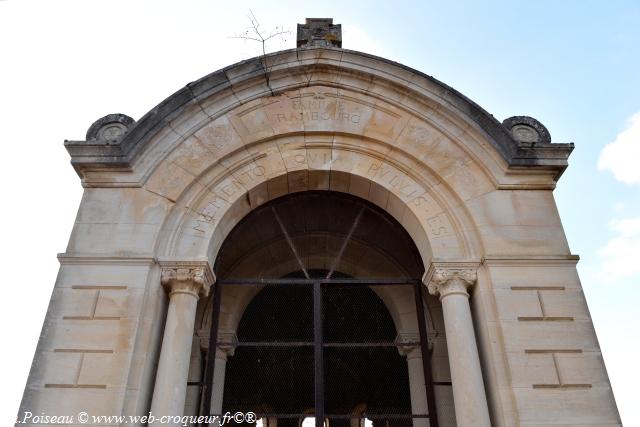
256	34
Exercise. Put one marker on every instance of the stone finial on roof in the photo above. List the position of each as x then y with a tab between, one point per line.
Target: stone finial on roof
109	129
319	32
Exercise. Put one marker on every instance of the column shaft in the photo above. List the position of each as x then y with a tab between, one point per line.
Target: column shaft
173	368
217	389
469	397
192	402
417	388
466	375
185	281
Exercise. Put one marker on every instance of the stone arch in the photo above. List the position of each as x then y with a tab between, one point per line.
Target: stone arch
322	137
218	198
362	260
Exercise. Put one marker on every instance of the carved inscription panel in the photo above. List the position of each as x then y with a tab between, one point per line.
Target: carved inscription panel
317	109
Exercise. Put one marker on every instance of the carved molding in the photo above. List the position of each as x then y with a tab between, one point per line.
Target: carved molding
319	32
190	277
227	342
203	336
408	343
455	278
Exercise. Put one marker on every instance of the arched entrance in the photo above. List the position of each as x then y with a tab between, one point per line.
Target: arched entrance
319	303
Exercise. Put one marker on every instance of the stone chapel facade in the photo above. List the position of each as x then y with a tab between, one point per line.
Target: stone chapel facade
320	234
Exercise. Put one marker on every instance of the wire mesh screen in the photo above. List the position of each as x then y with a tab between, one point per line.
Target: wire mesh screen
363	370
355	314
270	380
371	378
278	314
272	370
363	380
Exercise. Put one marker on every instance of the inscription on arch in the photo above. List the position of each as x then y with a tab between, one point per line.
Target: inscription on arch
397	182
318	109
315	107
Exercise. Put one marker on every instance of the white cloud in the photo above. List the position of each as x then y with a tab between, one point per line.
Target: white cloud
618	207
620	254
622	156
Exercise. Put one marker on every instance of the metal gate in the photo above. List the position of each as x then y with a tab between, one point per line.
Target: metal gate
323	359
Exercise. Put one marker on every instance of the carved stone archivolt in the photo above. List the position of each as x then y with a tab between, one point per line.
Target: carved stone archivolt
190	277
443	279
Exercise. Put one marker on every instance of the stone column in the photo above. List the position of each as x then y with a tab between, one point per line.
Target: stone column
451	283
223	352
409	346
192	402
185	282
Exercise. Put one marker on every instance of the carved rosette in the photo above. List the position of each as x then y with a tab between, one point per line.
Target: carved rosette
109	129
456	279
193	278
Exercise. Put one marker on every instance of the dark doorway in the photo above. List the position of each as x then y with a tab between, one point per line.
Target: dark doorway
317	342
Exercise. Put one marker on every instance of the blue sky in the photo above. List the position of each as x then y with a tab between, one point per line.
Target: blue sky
574	65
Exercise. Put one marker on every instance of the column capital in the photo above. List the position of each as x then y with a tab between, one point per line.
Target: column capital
193	277
408	344
450	278
227	342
